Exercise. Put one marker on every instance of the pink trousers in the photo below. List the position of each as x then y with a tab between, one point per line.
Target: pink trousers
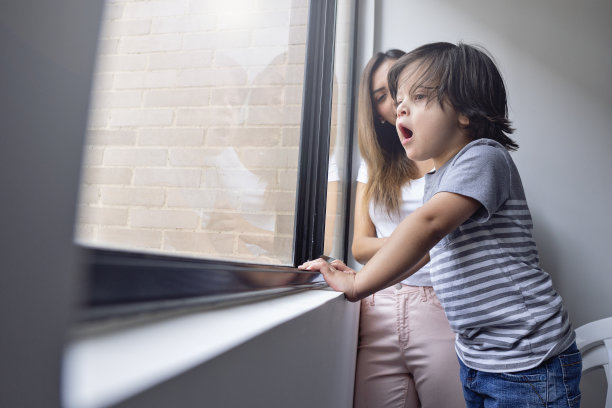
406	355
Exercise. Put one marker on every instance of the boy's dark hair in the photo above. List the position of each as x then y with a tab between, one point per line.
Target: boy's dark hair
467	76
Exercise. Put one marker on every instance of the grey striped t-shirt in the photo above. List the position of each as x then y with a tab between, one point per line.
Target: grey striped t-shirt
486	273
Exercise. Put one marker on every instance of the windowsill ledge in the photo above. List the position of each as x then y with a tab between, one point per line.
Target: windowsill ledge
104	369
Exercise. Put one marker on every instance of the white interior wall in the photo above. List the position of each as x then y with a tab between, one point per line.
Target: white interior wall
556	58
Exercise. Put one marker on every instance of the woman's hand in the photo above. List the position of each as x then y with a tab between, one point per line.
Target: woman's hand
338	276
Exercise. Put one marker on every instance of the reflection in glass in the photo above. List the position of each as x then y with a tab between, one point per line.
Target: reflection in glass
194	129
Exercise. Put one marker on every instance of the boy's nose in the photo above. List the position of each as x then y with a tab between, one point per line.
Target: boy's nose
401	110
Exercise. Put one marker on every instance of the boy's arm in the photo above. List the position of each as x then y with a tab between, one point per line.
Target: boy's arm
409	244
412	240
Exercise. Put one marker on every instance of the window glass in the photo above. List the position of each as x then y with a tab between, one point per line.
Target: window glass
194	129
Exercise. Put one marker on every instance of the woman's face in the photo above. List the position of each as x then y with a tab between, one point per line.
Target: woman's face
383	104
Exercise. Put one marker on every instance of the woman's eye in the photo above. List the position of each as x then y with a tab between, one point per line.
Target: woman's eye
381	98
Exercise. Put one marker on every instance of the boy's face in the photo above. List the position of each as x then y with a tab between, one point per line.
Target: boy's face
426	129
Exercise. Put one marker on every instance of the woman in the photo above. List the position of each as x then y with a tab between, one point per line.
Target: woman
406	355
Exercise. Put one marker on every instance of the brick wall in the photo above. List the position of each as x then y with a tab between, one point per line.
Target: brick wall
194	128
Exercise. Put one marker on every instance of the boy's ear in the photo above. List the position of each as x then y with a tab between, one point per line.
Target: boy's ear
464	121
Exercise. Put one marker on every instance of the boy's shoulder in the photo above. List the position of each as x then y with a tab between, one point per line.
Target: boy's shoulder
480	154
482	148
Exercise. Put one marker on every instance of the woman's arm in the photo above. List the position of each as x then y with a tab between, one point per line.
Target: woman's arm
365	242
405	248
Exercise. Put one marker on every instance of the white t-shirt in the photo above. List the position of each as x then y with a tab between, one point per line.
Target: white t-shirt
412	198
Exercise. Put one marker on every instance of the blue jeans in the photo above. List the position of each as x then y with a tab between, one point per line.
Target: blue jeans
552	384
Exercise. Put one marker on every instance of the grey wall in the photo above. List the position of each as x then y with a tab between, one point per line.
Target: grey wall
47	53
556	58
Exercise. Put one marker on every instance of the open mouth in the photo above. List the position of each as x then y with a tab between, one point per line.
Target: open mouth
405	133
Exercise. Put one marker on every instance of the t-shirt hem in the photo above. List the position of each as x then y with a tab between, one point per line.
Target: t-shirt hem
561	347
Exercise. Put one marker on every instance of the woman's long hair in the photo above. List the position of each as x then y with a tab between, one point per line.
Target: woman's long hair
388	166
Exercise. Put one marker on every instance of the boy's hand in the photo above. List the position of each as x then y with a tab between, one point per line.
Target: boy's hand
338	276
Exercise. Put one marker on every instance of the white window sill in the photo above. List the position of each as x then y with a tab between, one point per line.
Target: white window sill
104	369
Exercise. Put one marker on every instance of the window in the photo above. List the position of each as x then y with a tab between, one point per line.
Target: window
205	168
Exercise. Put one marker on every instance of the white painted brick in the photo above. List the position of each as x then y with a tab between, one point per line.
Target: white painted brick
265	248
141	117
140	80
265	158
278	201
290	136
211	77
147	44
296	54
103	81
115	137
285	224
209	116
104	175
85	233
108	46
297	35
182	60
135	157
271	95
217	178
131	196
255	19
299	16
112	11
244	137
124	28
205	243
183	24
288	180
270	75
121	62
177	97
103	216
131	238
190	198
143	10
93	156
116	99
229	96
89	194
171	137
273	115
167	177
226	221
214	40
278	36
98	118
169	219
294	94
295	74
258	57
194	157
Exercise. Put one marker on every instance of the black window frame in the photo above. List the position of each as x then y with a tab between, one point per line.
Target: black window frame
125	282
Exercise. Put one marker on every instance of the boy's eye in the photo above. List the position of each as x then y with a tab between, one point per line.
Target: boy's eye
419	97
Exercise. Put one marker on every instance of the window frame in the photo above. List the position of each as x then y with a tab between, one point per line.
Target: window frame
119	282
